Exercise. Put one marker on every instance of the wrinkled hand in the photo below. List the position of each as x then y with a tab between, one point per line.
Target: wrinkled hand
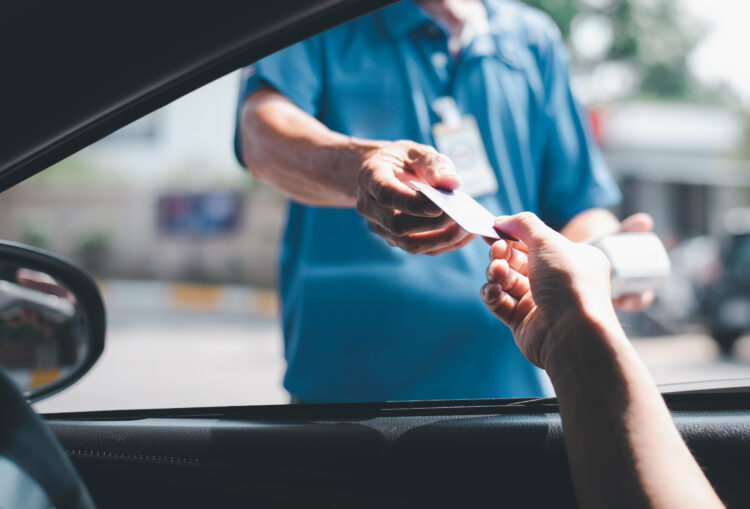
544	285
401	215
637	223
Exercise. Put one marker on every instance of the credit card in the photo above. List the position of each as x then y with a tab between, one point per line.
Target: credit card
464	210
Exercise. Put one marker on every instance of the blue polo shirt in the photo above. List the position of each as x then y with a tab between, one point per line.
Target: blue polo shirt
364	321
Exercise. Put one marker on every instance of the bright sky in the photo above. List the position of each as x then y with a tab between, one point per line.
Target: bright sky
722	56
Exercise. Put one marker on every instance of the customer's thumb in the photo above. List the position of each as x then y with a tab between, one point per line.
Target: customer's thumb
527	227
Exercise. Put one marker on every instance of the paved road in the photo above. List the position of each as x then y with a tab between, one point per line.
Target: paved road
181	359
181	362
693	357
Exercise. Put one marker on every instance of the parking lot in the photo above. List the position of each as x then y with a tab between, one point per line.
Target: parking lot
190	358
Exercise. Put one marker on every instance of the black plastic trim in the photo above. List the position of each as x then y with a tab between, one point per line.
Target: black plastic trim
28	157
708	401
453	458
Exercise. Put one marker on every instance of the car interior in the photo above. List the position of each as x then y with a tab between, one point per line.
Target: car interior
74	73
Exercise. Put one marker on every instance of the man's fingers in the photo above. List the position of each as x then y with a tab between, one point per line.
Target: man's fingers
637	223
458	245
439	241
400	223
386	189
635	303
381	232
433	167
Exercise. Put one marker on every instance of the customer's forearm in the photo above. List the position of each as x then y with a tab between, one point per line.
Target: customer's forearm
297	154
623	448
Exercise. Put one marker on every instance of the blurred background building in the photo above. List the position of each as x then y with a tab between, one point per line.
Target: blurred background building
165	199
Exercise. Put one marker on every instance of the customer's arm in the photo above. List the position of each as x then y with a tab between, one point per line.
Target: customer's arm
623	449
293	151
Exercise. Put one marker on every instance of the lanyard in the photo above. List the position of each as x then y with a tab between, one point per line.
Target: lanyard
471	55
421	105
411	62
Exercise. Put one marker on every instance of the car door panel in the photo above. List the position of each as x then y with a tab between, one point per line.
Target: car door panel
434	455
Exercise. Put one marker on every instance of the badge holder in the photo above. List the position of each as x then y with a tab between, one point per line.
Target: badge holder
458	137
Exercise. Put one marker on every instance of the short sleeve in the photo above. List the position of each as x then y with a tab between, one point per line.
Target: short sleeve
575	176
294	71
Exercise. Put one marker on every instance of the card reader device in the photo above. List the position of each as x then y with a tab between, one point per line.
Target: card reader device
639	261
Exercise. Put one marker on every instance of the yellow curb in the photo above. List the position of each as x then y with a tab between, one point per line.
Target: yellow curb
41	377
193	297
102	284
265	303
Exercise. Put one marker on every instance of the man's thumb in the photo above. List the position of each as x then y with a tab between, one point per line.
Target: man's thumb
436	169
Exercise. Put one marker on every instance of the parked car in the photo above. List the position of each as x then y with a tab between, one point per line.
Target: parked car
728	298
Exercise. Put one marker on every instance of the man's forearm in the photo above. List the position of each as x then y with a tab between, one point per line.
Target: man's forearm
297	154
623	448
590	223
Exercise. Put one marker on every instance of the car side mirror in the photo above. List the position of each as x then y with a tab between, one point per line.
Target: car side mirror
52	320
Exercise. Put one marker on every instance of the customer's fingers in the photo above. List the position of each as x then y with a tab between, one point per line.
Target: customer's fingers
527	227
517	258
499	302
514	284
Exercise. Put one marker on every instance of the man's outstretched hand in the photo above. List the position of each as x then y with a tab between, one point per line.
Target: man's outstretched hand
637	223
544	286
401	215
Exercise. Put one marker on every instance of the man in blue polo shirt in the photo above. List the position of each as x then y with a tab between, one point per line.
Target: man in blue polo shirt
341	121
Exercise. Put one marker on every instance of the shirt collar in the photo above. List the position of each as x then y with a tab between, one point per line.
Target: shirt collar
400	19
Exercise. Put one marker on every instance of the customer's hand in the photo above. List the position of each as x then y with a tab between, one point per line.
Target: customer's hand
401	215
544	286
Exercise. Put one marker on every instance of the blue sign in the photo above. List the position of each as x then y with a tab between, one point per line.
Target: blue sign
200	213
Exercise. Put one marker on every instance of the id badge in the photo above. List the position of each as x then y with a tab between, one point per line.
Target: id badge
460	140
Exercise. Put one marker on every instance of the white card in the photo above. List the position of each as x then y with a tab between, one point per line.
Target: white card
463	209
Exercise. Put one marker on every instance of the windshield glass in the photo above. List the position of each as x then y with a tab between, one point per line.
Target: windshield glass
241	265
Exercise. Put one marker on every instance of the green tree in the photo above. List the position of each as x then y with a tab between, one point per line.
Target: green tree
652	37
